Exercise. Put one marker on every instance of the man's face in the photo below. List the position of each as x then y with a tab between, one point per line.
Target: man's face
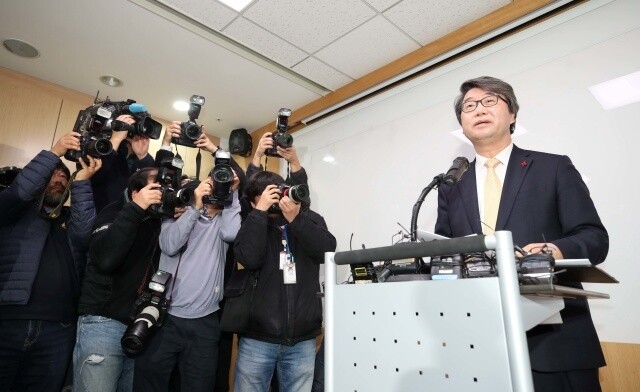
55	188
486	126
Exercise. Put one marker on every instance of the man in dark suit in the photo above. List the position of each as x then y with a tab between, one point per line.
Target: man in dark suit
542	199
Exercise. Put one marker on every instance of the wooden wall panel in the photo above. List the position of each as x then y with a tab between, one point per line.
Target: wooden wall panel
622	373
28	119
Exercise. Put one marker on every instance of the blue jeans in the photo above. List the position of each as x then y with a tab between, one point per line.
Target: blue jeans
99	364
257	360
34	354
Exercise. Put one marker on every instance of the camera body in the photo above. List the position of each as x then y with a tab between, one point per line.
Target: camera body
95	124
281	138
222	176
298	193
190	130
169	173
150	311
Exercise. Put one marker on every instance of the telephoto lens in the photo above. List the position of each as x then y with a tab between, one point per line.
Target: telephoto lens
135	337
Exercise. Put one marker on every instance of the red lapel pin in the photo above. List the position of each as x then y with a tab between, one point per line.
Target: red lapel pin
523	163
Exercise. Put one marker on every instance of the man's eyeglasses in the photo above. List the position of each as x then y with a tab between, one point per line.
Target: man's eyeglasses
488	101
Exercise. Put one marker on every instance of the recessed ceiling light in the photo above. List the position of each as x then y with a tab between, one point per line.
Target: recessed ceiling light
618	92
237	5
329	158
111	81
181	106
21	48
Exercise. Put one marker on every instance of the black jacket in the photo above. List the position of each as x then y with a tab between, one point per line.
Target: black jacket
122	255
284	314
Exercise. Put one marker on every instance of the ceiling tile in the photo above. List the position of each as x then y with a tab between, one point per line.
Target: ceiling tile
370	46
441	16
264	42
382	5
210	13
309	24
321	73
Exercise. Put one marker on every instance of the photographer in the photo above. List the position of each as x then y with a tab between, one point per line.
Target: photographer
42	259
129	155
296	173
287	313
122	255
194	250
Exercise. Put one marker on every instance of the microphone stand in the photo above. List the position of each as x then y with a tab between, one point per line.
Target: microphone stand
435	183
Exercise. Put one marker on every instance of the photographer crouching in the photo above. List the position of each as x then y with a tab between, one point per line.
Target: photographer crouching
194	248
42	259
122	256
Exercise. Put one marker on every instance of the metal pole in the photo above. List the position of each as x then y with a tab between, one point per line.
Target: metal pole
517	349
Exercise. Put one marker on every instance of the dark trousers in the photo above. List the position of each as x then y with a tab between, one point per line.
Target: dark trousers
572	381
34	354
224	362
192	344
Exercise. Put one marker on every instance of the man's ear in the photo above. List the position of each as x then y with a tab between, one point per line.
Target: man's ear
253	204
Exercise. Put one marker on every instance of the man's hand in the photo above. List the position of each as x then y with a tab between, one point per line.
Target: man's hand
69	141
118	136
290	209
236	181
546	246
266	141
291	156
140	146
203	189
269	197
89	170
147	196
205	144
178	212
173	130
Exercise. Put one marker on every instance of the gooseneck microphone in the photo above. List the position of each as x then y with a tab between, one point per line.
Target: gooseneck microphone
455	172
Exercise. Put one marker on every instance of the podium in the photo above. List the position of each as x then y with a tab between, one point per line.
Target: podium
427	335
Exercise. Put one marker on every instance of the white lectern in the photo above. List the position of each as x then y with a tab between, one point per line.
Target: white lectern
453	335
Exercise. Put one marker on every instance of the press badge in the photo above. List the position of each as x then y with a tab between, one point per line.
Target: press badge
289	273
285	258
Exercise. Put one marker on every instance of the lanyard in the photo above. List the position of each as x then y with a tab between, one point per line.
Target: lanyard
285	242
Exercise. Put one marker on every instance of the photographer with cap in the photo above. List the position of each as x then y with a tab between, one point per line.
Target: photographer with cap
42	260
194	249
122	255
287	313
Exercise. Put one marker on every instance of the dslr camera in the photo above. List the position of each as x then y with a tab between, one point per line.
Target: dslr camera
280	138
169	173
298	193
222	176
151	310
190	130
95	123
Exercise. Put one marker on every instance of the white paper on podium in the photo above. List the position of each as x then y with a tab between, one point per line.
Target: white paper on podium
424	235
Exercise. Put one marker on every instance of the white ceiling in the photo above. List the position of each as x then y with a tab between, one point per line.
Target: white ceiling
306	48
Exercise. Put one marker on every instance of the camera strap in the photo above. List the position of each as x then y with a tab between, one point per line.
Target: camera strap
175	276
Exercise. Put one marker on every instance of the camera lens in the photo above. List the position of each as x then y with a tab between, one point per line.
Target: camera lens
191	130
284	140
299	193
99	147
222	174
135	337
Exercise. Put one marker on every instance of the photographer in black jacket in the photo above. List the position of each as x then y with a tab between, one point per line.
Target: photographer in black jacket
287	313
122	255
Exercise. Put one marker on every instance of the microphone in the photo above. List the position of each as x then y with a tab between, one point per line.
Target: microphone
135	108
455	172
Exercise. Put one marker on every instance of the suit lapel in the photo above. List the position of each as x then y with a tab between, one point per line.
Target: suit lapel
519	164
469	195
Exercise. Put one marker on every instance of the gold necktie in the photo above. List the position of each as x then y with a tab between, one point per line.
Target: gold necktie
492	192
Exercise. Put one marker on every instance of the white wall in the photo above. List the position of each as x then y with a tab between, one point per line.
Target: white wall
389	148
